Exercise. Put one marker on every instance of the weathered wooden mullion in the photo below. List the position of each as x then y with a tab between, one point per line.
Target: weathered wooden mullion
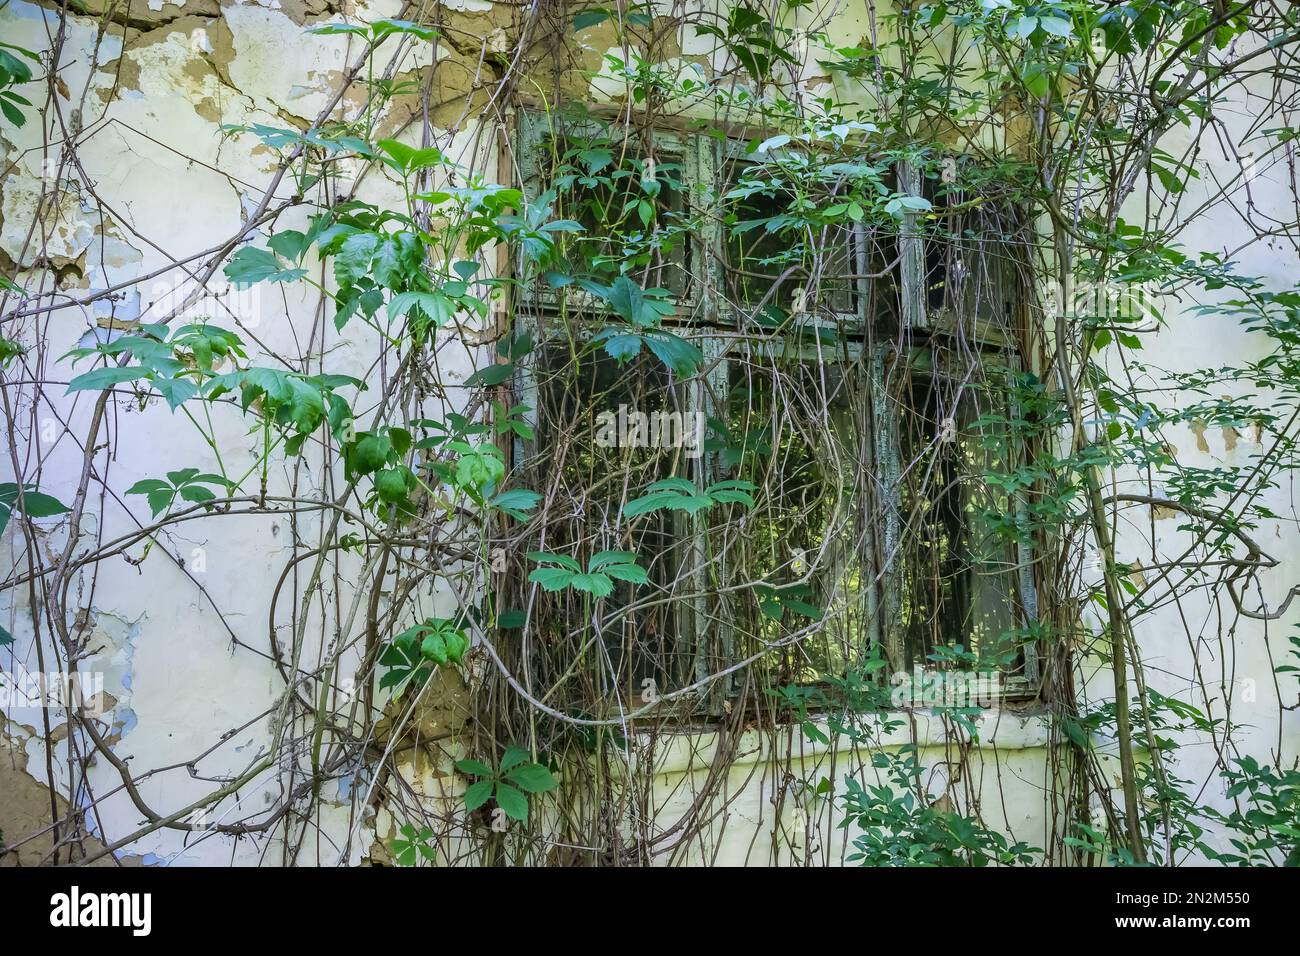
911	250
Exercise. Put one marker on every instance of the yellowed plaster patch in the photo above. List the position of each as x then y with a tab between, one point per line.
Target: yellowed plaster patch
1198	429
67	224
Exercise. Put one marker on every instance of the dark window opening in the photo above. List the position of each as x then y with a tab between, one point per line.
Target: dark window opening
959	580
805	538
768	242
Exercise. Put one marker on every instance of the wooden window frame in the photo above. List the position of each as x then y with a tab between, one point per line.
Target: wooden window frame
696	153
714	329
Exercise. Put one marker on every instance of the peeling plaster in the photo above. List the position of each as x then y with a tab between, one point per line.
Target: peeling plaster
68	217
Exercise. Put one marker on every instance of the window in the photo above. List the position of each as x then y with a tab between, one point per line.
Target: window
632	191
778	260
855	379
801	417
961	576
962	259
587	473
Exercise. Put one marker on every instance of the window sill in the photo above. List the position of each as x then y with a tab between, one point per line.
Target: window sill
684	749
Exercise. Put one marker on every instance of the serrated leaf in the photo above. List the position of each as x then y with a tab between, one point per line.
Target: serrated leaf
563	560
631	573
197	494
250	265
514	803
98	379
676	353
477	794
533	778
551	579
597	584
601	559
516	502
475	768
513	757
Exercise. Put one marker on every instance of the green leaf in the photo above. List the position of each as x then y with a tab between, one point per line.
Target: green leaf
353	260
514	803
490	375
101	378
602	559
563	560
1168	178
627	572
515	502
676	353
437	308
657	501
39	505
12	113
408	159
337	29
387	264
249	266
389	25
291	244
597	585
434	647
457	644
589	18
532	778
512	758
182	476
474	768
1056	26
175	391
508	620
551	579
391	485
628	300
622	348
197	494
404	661
1037	80
370	454
477	794
146	485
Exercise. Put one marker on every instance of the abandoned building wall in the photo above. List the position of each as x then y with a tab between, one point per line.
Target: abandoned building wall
178	629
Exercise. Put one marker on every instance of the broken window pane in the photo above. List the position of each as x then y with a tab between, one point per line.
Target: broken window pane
599	422
803	545
959	581
775	258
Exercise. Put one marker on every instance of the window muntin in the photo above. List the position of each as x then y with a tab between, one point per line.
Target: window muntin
961	258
